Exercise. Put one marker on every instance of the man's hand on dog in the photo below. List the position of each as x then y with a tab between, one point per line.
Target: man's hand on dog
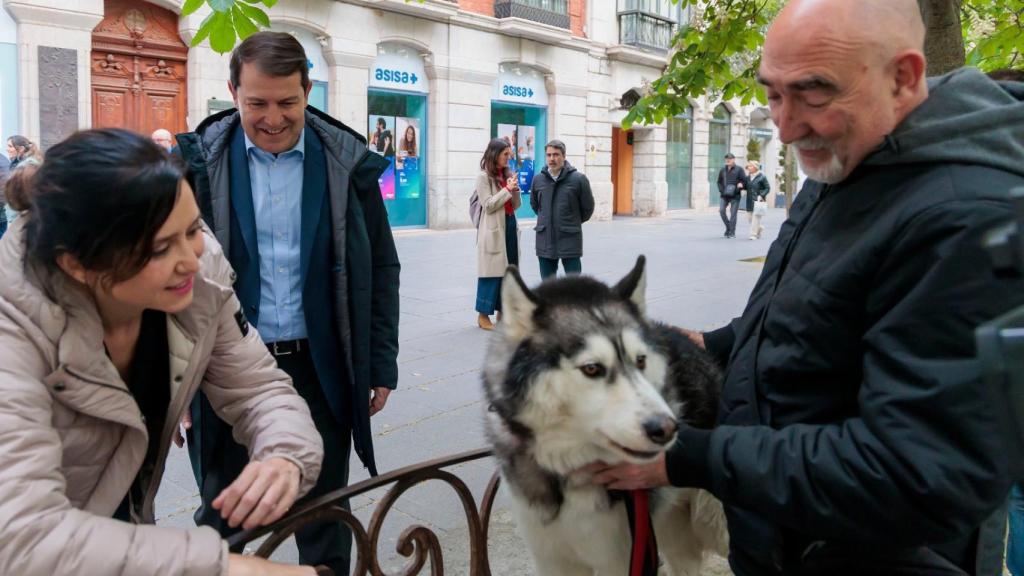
628	476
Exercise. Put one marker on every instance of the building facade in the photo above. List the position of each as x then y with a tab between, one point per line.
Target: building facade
428	83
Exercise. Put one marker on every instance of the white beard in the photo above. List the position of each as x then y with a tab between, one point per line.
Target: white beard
830	173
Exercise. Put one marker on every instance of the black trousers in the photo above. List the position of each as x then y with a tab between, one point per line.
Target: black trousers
730	220
327	543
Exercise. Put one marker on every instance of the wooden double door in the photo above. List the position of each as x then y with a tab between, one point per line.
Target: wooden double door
138	66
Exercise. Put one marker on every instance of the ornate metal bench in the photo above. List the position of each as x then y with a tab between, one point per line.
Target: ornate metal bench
417	542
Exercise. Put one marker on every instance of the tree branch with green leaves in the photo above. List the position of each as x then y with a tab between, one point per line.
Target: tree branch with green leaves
229	20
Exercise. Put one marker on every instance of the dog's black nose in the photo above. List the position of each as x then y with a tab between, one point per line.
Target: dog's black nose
661	429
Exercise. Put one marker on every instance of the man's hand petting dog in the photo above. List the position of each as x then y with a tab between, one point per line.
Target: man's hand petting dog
628	476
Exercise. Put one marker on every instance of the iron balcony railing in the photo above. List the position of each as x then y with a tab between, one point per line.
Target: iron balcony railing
551	12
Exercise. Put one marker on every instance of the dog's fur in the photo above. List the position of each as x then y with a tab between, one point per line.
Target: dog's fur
572	377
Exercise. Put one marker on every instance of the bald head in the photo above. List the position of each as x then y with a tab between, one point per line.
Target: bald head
162	137
840	75
883	27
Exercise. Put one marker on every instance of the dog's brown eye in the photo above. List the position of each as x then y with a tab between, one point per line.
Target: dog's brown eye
641	362
593	370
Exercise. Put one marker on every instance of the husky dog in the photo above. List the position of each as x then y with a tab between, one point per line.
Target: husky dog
576	374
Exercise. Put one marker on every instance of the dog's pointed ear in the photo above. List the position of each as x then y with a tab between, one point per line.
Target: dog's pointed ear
634	285
517	305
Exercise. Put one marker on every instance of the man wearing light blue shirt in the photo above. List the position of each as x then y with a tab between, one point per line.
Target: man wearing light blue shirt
276	182
293	197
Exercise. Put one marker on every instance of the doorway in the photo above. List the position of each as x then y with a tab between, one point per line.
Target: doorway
138	69
622	171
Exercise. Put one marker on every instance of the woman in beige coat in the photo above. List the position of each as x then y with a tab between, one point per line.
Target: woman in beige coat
497	236
114	309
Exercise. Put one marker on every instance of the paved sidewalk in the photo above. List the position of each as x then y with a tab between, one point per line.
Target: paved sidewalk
696	278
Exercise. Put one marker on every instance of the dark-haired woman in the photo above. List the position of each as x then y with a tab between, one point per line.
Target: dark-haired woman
497	236
19	149
115	308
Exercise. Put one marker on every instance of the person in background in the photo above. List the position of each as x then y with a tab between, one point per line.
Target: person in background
757	193
731	183
497	236
20	149
5	170
162	138
115	308
563	201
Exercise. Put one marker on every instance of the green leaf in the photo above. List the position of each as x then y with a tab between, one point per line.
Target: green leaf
255	13
243	26
191	6
221	5
204	29
222	35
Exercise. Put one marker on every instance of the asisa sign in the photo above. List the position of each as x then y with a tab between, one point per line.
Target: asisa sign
398	67
520	85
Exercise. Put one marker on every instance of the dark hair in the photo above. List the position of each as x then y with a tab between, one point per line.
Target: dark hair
557	145
489	161
1007	75
274	53
21	142
381	122
101	196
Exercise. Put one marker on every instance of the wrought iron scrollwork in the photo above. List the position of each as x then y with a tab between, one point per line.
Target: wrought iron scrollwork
417	542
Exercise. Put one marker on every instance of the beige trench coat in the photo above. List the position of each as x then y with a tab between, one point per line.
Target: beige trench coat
72	438
491	257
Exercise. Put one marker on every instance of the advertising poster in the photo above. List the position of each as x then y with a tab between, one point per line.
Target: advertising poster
381	135
407	158
507	132
380	139
525	154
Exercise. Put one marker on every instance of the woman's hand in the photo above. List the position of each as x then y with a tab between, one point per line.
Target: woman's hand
512	184
239	565
260	495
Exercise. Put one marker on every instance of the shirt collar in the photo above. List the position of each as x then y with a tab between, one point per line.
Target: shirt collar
299	147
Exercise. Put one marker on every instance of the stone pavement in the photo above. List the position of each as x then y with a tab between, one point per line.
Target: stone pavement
696	278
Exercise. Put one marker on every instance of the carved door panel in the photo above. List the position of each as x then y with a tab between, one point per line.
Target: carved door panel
138	69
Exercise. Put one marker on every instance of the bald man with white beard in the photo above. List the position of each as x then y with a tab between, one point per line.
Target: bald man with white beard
856	434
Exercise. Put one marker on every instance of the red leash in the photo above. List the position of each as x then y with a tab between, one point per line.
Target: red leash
644	559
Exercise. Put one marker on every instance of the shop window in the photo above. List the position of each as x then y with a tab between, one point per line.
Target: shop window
397	130
679	161
525	127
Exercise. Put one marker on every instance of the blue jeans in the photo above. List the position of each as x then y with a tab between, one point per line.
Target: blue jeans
549	266
729	219
1015	538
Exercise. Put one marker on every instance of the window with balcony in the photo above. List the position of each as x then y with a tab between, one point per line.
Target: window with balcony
650	24
552	12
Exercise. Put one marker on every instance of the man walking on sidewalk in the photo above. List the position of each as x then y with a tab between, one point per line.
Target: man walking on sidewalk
561	197
732	180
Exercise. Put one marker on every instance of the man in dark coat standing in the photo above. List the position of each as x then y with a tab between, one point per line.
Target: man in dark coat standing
561	197
292	196
856	431
732	180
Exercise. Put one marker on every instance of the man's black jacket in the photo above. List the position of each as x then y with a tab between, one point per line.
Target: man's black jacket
853	427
